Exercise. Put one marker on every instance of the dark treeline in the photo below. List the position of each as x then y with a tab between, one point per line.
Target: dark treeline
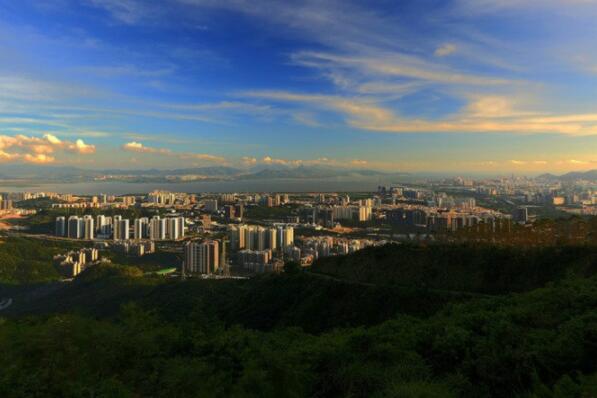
305	300
471	267
542	343
471	319
573	230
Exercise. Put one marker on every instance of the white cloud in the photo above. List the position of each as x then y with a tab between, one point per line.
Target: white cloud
39	158
397	65
482	115
138	147
81	147
444	50
38	149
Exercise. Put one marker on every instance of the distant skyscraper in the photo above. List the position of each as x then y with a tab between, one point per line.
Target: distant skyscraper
121	229
74	227
100	222
181	227
285	237
229	212
60	226
88	227
157	228
172	228
202	257
211	205
140	228
239	210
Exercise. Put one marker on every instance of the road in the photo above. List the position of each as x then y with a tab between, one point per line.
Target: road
5	303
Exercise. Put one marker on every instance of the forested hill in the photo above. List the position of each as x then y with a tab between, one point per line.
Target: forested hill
350	332
541	343
478	268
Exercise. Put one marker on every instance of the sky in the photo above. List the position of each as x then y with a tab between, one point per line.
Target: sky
463	86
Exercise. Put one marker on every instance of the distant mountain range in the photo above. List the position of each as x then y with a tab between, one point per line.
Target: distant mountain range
33	173
590	175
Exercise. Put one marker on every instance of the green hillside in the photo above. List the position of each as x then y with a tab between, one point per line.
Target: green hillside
115	332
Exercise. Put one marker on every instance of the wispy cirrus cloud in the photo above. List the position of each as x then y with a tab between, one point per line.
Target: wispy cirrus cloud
397	65
484	114
444	50
138	147
125	11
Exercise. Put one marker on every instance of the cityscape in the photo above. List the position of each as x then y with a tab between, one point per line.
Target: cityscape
239	234
302	199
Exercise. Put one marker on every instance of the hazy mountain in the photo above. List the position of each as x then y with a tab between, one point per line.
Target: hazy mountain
212	171
577	175
305	172
590	175
71	174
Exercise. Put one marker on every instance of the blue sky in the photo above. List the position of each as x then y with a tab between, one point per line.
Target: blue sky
487	86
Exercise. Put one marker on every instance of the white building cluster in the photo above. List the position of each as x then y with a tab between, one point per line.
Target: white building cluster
120	229
313	248
74	262
254	237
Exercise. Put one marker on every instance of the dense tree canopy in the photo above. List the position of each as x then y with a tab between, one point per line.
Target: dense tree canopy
440	320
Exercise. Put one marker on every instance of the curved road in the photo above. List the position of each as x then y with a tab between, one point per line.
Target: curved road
5	303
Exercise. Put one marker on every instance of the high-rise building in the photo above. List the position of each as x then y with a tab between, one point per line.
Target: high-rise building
181	227
141	228
128	200
116	227
261	238
100	221
75	227
172	228
229	212
60	229
157	228
5	204
364	213
237	235
88	227
255	260
223	266
285	237
271	242
211	205
251	237
121	229
202	257
239	210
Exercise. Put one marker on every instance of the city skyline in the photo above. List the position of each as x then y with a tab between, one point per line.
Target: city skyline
488	86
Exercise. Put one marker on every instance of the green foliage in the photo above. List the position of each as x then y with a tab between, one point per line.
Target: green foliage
493	347
314	335
292	267
109	270
148	262
28	260
260	213
39	203
462	267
